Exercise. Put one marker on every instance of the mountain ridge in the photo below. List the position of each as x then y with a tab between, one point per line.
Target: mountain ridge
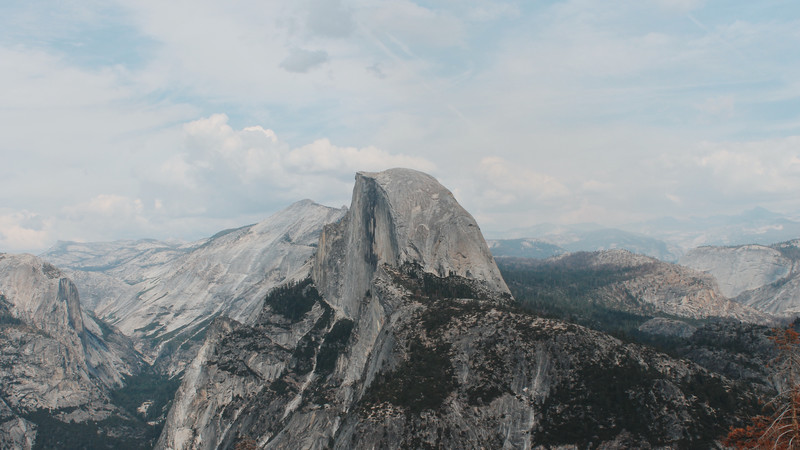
53	357
164	295
389	350
764	277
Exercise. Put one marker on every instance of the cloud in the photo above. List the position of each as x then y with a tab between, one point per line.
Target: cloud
223	170
757	167
496	186
723	105
106	205
301	61
23	231
520	182
416	25
323	157
681	6
574	100
218	177
329	18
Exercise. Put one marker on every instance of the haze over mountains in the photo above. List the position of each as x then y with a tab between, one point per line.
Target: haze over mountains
764	277
666	238
389	324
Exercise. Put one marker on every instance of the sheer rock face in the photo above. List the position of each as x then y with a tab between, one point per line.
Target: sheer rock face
43	348
400	216
765	278
52	357
402	336
40	295
739	269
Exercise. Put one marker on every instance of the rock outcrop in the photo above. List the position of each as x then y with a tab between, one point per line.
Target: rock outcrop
739	269
766	278
53	357
403	334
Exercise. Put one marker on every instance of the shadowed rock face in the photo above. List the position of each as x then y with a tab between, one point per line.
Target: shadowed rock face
400	216
51	357
403	336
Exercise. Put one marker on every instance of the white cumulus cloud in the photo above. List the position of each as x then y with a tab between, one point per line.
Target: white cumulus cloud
761	167
23	231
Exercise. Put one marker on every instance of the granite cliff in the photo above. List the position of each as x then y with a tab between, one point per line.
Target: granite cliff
54	358
404	334
164	295
766	278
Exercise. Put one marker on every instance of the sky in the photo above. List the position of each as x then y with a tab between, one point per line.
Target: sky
174	120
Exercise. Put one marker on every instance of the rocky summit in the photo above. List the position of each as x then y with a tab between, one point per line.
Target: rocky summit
403	334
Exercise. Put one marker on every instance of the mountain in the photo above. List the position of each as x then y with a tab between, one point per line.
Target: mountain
602	292
403	334
106	271
623	281
56	363
546	240
741	268
766	278
666	238
755	226
164	295
524	248
126	260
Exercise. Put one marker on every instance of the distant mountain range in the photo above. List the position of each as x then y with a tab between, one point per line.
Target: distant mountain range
164	295
388	324
545	241
666	238
755	226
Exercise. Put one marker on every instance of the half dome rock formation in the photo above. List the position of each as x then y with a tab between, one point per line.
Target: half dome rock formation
403	334
398	217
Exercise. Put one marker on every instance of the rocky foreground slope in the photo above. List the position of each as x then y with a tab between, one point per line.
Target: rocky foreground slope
403	334
53	357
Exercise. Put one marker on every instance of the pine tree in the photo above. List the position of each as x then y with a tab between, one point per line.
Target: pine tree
781	428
